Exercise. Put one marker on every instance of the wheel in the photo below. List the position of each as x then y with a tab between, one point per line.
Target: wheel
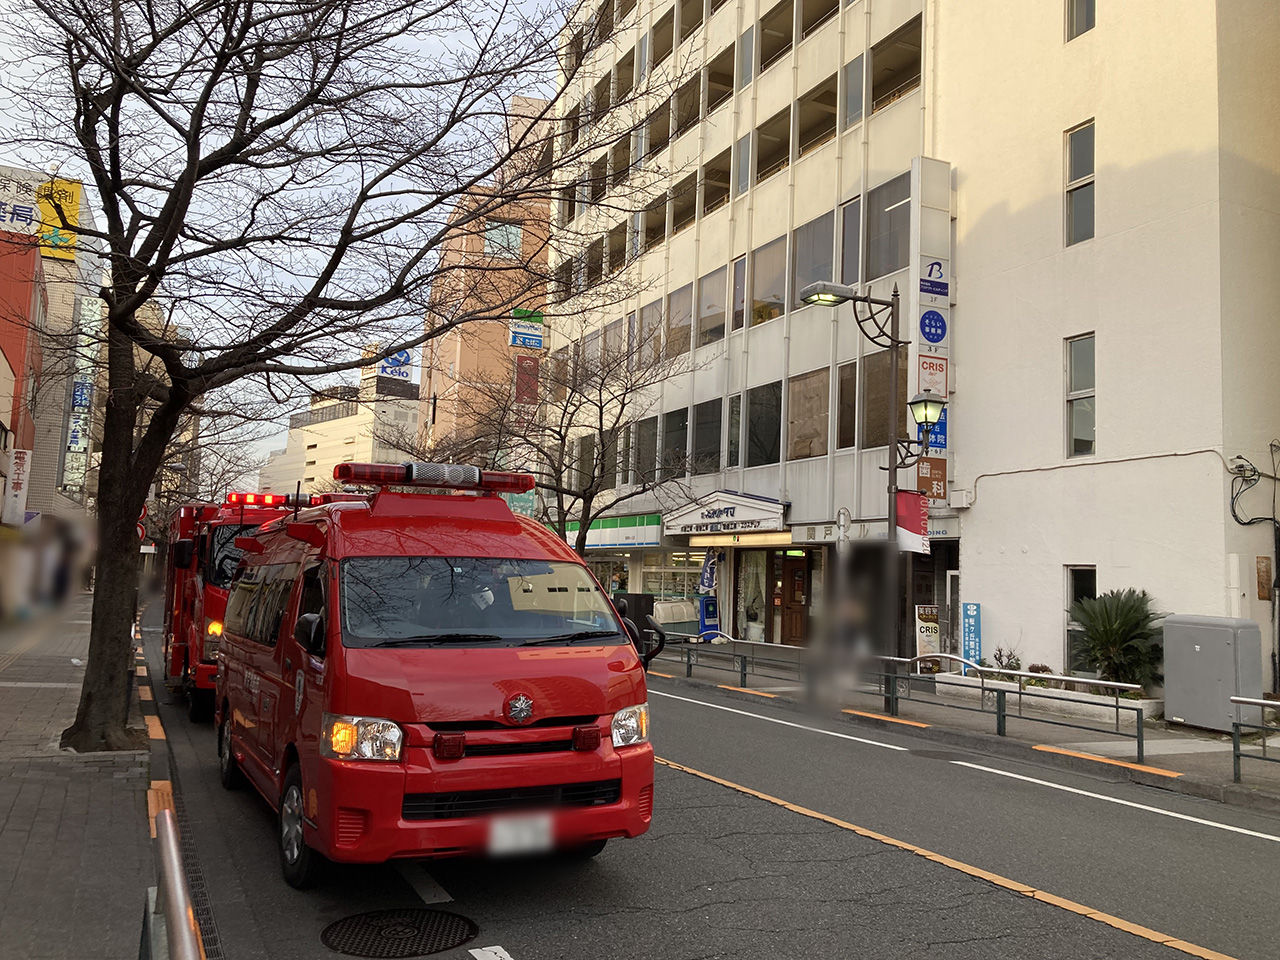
199	705
228	770
300	864
588	850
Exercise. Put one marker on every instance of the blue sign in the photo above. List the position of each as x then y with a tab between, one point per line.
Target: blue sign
937	433
933	326
971	631
521	340
934	280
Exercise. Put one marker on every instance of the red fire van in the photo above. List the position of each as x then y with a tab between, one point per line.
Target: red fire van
427	674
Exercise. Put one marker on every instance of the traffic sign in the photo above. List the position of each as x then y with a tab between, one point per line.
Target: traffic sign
142	532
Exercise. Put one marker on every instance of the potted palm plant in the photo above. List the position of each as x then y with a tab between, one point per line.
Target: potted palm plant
1123	639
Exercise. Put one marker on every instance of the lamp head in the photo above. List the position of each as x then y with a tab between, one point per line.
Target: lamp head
926	408
826	293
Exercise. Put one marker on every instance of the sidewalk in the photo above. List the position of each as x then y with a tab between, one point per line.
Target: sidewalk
1197	762
75	848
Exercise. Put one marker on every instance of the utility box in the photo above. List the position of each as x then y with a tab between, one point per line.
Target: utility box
708	614
1207	661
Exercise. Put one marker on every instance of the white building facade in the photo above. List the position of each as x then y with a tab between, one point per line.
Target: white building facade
1079	208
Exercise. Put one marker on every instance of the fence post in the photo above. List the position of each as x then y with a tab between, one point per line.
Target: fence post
742	670
1235	752
1141	754
688	662
1000	713
891	689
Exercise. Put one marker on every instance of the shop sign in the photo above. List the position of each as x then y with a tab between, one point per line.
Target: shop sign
928	636
15	494
932	472
971	631
723	512
527	329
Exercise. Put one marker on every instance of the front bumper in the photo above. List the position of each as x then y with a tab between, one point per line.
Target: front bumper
359	807
204	676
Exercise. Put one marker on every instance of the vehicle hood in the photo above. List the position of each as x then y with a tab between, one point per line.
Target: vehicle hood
474	684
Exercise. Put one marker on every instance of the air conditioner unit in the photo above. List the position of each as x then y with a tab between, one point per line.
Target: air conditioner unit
960	499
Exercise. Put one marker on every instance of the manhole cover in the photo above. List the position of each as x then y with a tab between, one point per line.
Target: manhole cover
939	755
398	933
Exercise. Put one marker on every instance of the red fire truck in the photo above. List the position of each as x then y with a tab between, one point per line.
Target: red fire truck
202	560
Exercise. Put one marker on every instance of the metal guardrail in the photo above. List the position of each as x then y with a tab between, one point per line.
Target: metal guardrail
169	930
1237	725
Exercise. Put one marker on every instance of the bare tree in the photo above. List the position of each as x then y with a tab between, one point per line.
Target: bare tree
279	176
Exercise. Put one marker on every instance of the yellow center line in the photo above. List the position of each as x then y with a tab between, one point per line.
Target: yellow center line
758	693
1023	889
1159	771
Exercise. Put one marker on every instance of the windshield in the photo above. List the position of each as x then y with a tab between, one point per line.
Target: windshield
224	555
397	601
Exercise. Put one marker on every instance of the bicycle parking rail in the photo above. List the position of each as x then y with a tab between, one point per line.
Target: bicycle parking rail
169	930
1237	725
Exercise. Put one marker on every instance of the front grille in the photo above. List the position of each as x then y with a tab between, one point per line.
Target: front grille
507	749
476	803
466	726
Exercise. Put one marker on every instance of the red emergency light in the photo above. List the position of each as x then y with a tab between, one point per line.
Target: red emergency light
452	476
269	499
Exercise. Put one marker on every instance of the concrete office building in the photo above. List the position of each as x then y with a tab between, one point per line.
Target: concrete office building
1080	209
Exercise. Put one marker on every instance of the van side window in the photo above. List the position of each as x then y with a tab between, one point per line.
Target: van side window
244	591
275	600
259	597
312	590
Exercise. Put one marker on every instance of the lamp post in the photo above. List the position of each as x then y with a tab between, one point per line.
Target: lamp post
880	325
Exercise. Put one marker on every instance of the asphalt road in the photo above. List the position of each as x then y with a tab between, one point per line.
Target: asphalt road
723	873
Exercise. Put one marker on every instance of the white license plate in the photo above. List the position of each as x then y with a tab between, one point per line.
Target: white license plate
527	833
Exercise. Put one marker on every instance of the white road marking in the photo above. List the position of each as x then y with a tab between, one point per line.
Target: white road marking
785	723
424	885
490	953
1124	803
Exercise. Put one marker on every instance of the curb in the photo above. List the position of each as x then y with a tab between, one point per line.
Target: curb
1232	794
160	791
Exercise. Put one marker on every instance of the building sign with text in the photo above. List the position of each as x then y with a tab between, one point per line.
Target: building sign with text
724	512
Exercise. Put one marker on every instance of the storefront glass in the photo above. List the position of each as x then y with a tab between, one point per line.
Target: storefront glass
752	592
672	575
611	572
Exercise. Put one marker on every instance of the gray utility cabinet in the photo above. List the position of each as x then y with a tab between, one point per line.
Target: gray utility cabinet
1207	661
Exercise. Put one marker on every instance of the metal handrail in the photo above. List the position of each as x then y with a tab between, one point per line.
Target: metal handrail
173	898
1250	702
1026	674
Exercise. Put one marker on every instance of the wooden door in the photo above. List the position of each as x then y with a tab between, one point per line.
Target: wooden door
795	600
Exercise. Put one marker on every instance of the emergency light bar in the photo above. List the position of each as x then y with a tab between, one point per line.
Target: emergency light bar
454	476
269	499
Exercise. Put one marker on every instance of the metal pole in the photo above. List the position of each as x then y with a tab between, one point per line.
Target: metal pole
179	919
895	645
1235	752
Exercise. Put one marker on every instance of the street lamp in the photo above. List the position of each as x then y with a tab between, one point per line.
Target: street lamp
880	326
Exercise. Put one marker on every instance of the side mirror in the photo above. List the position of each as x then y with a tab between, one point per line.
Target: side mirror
309	632
184	551
662	640
633	633
620	604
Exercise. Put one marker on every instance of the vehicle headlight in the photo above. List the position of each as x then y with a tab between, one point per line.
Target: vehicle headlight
360	738
631	725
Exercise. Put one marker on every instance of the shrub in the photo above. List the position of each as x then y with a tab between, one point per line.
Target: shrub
1007	659
1039	668
1123	639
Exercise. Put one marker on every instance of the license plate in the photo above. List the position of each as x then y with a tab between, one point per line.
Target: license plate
528	833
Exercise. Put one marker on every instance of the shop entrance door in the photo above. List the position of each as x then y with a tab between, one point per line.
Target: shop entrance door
795	600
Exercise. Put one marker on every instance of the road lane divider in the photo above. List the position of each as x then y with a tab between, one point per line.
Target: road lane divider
1014	886
881	716
664	676
1061	751
754	693
783	723
1123	803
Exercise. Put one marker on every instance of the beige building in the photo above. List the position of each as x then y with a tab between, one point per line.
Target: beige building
1081	230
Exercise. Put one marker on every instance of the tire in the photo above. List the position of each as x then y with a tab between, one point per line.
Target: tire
199	705
300	865
228	770
588	850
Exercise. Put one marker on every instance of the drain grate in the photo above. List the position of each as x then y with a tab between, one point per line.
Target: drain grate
200	904
398	933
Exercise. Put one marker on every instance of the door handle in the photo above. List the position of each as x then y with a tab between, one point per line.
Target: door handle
288	665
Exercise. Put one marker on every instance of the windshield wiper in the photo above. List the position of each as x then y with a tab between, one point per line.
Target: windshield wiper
436	638
573	637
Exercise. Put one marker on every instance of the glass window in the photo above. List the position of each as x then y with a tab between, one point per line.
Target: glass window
742	165
852	93
1080	164
1081	398
503	239
768	281
746	57
888	227
707	424
675	443
764	424
808	411
733	454
1082	584
224	555
642	58
753	588
812	253
586	460
895	65
645	441
470	601
739	292
711	296
846	418
850	241
615	339
1081	17
679	321
648	346
875	416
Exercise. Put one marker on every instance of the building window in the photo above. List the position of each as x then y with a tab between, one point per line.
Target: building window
764	424
746	57
1082	584
664	37
1081	399
642	59
720	80
1080	183
816	114
1081	17
679	321
707	423
777	28
812	255
675	443
645	440
889	227
814	13
808	411
850	241
875	415
624	450
716	177
711	291
742	165
648	345
739	292
586	460
311	446
768	281
895	65
773	145
733	453
847	411
852	109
